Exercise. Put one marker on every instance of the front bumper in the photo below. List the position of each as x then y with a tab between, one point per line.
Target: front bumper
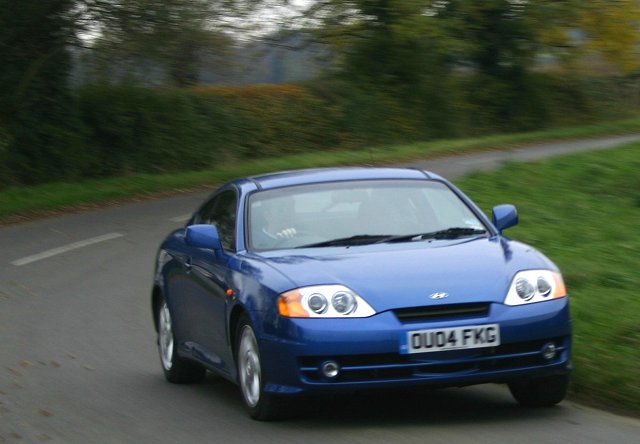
367	350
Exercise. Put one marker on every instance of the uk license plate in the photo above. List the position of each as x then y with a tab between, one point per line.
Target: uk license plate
443	339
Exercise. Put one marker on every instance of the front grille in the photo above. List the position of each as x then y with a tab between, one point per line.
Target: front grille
390	367
442	312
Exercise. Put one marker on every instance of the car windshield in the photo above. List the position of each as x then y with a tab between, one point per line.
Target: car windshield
357	213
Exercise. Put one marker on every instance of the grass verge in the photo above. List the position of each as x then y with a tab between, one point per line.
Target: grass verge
41	199
583	212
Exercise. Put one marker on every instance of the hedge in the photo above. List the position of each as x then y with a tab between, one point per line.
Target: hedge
119	129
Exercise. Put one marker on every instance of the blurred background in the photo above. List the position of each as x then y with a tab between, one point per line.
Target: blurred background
101	99
100	88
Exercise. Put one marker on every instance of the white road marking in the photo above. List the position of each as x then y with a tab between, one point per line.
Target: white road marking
183	218
65	248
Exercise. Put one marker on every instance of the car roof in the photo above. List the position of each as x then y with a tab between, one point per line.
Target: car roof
322	175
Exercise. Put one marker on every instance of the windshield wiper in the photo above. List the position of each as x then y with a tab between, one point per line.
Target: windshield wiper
449	233
358	239
366	239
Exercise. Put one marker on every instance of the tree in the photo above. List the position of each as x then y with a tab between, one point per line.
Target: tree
36	109
393	53
612	30
501	39
172	36
500	44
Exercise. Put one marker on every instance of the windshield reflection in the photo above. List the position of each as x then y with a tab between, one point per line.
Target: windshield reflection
356	213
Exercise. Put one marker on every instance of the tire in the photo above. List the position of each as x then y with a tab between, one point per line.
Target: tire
261	406
176	369
540	392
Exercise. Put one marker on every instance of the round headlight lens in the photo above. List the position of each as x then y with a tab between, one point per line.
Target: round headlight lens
318	303
532	286
344	303
544	287
525	289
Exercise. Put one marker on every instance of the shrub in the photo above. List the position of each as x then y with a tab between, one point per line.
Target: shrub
117	129
146	130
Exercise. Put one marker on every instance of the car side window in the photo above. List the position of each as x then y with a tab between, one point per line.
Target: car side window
221	212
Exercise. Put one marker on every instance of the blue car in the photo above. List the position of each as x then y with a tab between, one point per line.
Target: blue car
349	279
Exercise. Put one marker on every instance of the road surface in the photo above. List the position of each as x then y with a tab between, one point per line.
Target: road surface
78	362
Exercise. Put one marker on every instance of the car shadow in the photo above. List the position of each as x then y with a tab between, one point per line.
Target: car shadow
487	403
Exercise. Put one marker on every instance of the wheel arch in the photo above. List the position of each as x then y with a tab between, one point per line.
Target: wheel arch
156	297
234	318
237	313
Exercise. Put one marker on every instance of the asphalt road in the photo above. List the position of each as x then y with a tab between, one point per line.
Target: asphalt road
78	362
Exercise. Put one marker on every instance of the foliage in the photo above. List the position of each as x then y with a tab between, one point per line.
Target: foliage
500	47
612	30
36	107
135	129
407	70
410	48
266	120
138	37
127	129
599	35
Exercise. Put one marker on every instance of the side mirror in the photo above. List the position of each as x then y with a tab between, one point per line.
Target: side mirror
504	216
203	236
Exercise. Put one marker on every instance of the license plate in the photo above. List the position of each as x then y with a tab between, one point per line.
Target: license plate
443	339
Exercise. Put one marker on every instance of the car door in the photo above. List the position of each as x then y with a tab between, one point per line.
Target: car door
206	305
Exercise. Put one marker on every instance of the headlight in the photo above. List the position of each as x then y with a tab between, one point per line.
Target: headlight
323	301
535	286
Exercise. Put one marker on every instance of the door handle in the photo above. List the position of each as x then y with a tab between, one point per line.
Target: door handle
187	264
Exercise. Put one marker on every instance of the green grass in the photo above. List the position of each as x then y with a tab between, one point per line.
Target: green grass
583	211
18	201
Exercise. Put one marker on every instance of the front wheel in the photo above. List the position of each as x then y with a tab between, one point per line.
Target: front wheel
176	369
540	392
260	405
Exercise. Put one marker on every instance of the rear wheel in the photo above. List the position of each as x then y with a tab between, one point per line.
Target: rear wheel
176	369
540	392
260	405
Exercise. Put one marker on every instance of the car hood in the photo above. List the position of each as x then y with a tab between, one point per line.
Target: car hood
390	276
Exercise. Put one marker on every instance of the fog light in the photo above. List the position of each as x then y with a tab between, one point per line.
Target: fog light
330	369
549	351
